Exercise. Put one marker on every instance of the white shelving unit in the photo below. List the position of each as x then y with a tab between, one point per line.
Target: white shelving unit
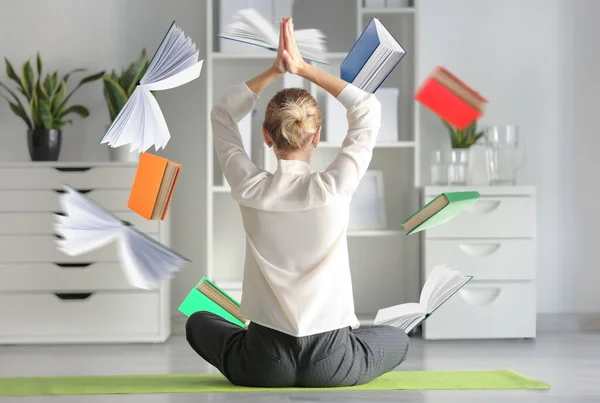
384	262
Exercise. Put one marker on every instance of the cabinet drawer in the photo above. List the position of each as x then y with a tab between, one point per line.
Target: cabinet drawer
48	177
49	200
108	314
43	248
43	223
491	217
81	276
486	310
484	259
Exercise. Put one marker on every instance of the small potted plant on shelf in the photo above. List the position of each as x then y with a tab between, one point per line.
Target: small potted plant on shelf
461	140
117	90
45	108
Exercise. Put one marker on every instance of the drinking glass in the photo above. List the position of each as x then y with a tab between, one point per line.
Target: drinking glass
505	154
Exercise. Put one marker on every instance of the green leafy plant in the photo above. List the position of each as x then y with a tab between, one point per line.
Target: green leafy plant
463	138
46	96
118	88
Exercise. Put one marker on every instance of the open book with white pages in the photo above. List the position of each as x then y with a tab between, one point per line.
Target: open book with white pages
141	123
87	226
441	284
249	26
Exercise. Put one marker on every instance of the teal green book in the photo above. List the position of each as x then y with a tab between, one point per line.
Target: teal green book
207	296
440	210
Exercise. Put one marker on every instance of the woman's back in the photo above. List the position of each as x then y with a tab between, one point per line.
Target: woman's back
296	275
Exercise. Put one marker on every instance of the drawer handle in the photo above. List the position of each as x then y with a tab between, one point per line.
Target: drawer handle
73	296
72	169
480	296
60	213
72	265
479	249
59	236
82	191
484	206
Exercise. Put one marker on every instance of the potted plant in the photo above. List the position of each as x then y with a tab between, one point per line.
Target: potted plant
117	90
461	140
45	109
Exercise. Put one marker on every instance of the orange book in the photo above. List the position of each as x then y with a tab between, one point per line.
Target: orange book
153	186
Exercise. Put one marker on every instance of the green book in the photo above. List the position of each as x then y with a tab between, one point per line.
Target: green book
440	210
207	296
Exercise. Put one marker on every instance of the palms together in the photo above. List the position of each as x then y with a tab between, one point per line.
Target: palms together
288	56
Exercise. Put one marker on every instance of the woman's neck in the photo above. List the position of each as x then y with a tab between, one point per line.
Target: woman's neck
300	155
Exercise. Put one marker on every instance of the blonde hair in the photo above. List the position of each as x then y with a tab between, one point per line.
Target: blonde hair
291	118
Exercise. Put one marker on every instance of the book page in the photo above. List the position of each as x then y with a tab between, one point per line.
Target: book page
398	311
434	279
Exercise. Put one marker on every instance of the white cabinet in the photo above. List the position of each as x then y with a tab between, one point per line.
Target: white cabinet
47	296
493	241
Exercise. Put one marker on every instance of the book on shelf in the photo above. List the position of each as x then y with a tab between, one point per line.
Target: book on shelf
153	186
373	57
87	226
140	123
441	284
451	99
440	210
250	27
207	296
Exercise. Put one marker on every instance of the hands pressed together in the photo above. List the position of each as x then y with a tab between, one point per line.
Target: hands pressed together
288	57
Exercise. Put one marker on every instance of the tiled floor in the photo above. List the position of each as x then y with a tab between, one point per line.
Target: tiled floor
570	363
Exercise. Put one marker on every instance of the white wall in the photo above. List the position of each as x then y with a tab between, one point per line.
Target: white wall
107	34
534	61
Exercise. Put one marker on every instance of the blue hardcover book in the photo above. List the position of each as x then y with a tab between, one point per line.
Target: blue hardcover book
374	55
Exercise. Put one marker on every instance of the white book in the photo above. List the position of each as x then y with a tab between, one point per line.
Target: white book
141	123
251	27
87	226
442	283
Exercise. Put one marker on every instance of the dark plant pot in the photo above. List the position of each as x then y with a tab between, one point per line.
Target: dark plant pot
44	145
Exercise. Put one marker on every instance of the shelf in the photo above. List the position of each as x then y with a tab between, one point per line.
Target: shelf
388	10
221	189
399	144
374	233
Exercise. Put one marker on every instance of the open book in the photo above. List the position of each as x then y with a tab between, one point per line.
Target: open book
250	27
372	58
87	226
141	123
207	296
442	283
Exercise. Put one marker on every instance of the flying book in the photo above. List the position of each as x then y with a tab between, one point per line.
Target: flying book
440	210
153	186
141	123
87	226
207	296
250	27
442	283
372	58
452	100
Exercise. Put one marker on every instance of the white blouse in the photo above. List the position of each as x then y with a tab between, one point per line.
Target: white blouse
296	275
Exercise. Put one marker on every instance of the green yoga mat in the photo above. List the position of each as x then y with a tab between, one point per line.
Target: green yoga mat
216	383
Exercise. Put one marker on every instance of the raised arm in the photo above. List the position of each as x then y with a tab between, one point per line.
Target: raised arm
363	114
235	104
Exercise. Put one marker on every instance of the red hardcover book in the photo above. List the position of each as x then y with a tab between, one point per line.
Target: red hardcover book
451	99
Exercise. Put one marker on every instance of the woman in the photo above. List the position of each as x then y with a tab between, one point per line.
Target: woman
297	287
